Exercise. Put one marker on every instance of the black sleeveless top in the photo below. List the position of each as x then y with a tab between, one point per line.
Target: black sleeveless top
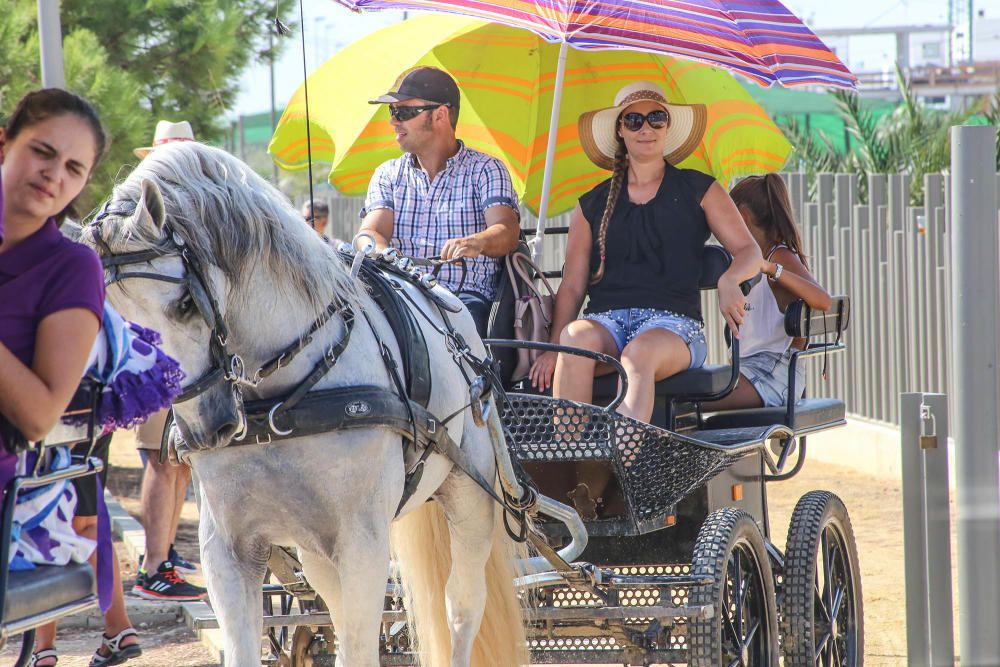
653	250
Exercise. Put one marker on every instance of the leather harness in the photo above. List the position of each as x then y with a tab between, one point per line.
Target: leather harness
306	411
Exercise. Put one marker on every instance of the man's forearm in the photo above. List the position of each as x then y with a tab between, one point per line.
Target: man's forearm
497	240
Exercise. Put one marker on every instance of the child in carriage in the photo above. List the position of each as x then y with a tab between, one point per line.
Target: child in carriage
765	348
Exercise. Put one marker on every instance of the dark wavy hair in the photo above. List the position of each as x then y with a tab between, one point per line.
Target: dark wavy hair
40	105
766	198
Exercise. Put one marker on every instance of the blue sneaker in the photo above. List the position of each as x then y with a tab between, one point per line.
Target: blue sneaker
180	563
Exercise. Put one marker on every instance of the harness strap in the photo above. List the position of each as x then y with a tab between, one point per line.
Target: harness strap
286	356
409	336
322	367
326	410
364	406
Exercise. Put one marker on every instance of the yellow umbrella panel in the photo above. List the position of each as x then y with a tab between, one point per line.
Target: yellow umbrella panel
507	78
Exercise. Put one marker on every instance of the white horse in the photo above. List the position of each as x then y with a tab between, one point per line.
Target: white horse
189	208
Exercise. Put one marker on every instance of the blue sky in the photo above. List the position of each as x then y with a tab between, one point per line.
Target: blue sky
328	26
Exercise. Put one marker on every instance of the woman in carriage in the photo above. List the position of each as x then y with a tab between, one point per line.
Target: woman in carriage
635	247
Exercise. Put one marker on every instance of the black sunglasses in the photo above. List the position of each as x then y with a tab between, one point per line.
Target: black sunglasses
633	120
403	114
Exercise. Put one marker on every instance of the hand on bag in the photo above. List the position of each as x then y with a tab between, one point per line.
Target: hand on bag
542	370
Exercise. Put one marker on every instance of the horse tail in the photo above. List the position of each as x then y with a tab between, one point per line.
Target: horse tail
422	547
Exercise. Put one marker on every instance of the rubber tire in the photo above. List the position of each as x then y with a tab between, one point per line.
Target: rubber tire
723	531
816	512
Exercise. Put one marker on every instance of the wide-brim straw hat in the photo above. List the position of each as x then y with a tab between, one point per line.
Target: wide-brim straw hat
167	132
598	129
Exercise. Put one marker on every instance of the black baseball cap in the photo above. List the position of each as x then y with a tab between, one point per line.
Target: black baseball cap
424	83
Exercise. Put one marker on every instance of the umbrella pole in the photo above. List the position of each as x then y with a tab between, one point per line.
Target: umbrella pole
550	150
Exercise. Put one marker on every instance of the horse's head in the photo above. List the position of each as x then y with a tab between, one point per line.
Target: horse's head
159	277
202	249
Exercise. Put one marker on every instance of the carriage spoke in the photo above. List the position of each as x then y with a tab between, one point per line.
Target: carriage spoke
838	600
835	654
732	630
826	568
822	645
739	597
751	634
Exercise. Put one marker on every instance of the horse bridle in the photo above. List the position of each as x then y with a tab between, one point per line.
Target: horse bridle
225	366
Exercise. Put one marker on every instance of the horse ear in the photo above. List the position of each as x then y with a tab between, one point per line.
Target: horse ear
151	210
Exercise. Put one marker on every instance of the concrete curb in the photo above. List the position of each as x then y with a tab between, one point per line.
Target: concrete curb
211	638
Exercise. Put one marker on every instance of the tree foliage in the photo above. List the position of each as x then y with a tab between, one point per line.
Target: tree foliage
140	61
913	139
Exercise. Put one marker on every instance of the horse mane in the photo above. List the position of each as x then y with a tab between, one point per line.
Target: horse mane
232	218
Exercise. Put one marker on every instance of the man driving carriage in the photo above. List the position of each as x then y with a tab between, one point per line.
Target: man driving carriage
442	198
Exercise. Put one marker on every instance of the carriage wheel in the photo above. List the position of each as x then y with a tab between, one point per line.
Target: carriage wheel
302	641
742	631
822	614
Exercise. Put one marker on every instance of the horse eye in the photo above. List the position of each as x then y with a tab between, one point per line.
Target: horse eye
185	306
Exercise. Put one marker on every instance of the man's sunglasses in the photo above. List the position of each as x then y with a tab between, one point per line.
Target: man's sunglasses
403	114
633	120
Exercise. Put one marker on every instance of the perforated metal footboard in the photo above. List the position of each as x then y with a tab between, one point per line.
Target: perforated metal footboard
655	467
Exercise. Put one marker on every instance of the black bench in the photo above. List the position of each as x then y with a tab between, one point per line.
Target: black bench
823	331
29	599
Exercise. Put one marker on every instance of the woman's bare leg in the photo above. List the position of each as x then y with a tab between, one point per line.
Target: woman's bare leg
653	355
743	396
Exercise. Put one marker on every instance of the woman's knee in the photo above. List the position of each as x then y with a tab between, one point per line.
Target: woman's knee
586	335
650	354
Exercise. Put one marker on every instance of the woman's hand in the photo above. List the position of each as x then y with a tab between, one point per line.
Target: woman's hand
542	370
732	304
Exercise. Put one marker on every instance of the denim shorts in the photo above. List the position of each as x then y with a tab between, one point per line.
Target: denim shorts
625	324
768	373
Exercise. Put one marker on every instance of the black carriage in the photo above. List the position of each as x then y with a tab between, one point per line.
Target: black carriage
676	564
679	564
32	598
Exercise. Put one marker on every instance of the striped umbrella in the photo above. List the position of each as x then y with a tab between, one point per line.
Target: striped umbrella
759	39
507	79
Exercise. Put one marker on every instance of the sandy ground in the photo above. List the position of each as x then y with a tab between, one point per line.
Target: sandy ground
874	505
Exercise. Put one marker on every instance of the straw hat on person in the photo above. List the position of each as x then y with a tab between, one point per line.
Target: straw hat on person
167	132
598	129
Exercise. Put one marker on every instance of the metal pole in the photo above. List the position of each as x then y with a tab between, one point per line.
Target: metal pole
50	44
926	529
550	151
270	57
975	294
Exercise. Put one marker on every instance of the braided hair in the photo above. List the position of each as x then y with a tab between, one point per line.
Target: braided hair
617	178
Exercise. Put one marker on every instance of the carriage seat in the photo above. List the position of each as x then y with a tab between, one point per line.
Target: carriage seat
823	331
810	414
31	598
35	592
708	380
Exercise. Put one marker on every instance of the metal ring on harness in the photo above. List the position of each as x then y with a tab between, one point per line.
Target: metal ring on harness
270	421
237	369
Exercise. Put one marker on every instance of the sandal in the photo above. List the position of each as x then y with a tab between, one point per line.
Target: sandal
117	654
44	654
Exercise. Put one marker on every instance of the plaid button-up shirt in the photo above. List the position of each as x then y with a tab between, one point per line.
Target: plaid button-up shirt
428	213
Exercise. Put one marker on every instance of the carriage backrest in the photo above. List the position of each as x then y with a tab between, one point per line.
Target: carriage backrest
801	321
715	261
